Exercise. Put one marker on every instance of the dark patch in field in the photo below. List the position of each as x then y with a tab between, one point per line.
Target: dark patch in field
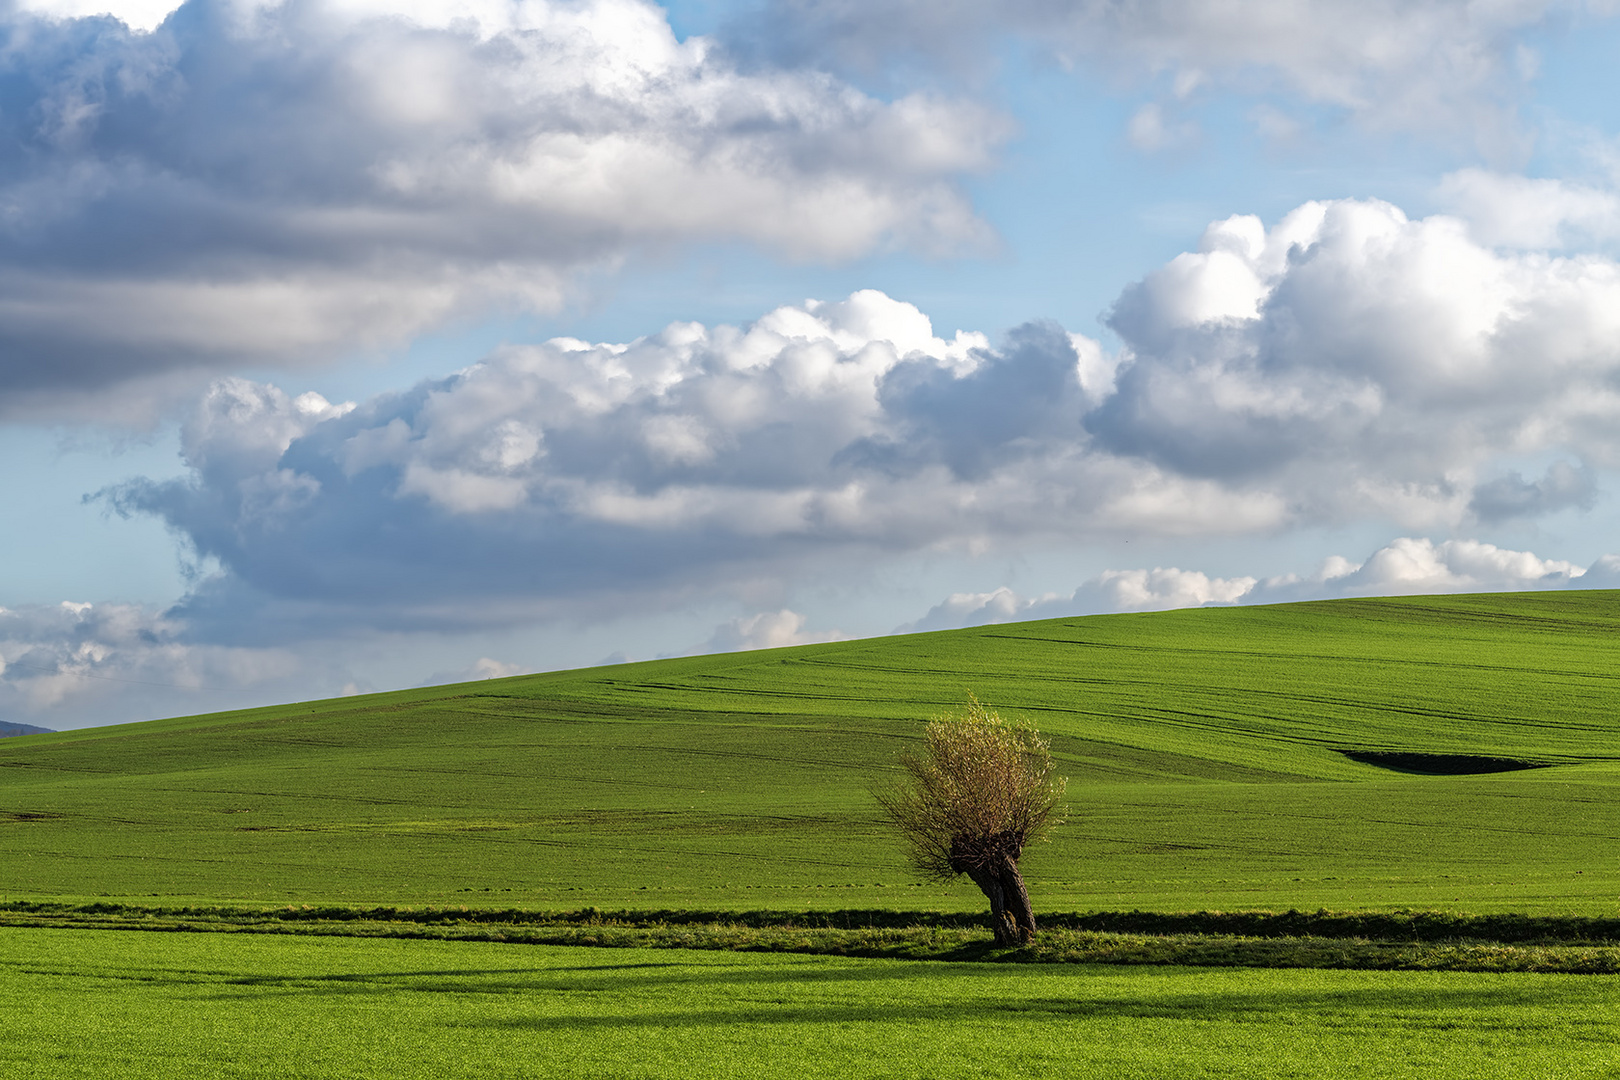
1441	764
28	815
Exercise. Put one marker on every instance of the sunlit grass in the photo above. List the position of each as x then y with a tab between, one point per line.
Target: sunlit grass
163	1005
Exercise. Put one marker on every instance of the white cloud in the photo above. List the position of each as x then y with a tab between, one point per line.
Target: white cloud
974	609
1421	566
1359	363
1406	566
1159	589
478	670
1156	589
143	15
766	630
1519	212
276	182
570	474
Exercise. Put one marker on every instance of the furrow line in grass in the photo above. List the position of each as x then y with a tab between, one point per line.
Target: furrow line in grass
819	694
1291	656
1271	813
674	749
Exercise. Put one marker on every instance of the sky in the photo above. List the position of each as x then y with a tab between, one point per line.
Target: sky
349	345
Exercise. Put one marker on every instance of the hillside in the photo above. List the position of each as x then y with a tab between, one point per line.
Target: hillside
11	730
1219	758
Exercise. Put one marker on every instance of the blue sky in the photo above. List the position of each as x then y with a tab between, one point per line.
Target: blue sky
355	345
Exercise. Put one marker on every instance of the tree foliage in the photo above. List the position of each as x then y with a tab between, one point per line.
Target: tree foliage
981	790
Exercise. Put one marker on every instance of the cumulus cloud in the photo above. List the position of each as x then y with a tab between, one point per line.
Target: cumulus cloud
1357	363
554	469
1504	210
117	662
766	630
1406	566
1432	65
265	182
1159	589
1415	566
602	477
144	15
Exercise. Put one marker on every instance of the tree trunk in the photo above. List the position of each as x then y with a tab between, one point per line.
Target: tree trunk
1018	908
1010	915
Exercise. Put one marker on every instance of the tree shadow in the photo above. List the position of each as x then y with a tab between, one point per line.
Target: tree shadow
806	989
1468	1009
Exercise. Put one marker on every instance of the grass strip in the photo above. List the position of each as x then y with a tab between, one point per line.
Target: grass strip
1368	941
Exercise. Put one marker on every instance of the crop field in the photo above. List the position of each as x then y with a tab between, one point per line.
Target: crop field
343	1008
1218	759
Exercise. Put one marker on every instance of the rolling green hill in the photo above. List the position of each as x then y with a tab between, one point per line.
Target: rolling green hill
1305	755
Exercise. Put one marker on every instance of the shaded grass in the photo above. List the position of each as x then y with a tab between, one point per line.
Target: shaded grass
1373	941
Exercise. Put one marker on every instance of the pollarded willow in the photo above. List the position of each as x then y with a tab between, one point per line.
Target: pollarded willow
981	790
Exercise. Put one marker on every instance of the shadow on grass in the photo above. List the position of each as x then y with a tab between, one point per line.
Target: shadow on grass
1387	941
1477	1009
1432	926
564	981
806	989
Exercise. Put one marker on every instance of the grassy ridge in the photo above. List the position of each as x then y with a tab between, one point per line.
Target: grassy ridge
1207	752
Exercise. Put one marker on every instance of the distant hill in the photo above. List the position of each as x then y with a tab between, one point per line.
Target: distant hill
8	730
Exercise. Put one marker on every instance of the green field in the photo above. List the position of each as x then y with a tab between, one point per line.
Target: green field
1239	759
159	1006
1207	752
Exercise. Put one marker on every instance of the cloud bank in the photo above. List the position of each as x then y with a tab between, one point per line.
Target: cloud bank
264	183
589	475
1409	566
77	663
121	662
1345	365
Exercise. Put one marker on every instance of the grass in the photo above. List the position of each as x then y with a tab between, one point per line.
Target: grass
344	1008
377	871
1209	751
1408	941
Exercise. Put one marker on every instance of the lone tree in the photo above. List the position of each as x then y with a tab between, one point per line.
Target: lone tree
981	790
